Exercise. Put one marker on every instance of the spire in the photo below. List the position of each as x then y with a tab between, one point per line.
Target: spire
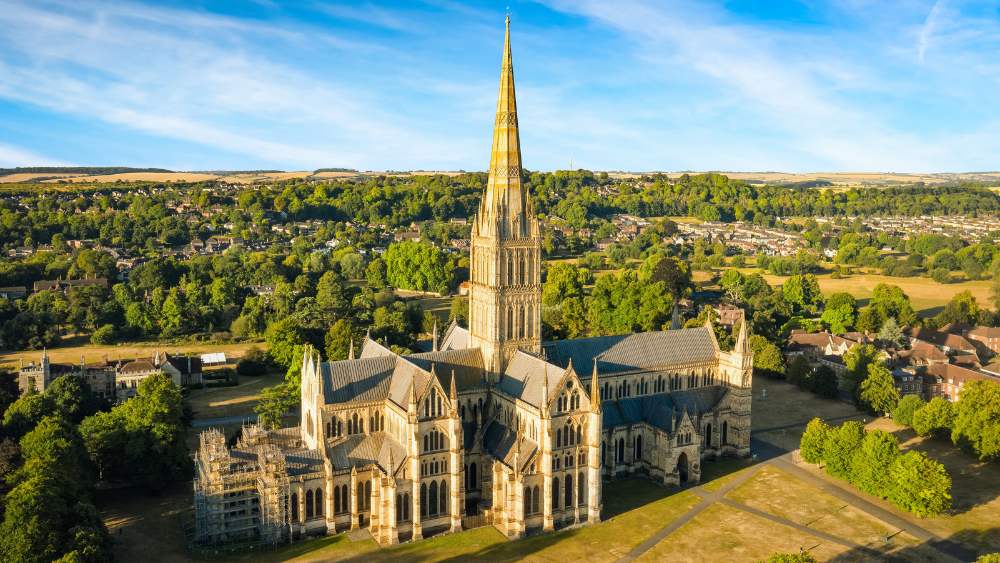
434	337
743	338
453	395
545	393
505	203
350	351
412	404
595	391
675	319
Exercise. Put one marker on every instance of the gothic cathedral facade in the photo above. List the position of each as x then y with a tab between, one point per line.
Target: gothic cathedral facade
491	427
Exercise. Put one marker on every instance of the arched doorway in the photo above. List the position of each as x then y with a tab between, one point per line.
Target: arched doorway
725	432
708	435
682	468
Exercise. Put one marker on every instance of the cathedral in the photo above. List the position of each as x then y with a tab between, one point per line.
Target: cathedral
491	427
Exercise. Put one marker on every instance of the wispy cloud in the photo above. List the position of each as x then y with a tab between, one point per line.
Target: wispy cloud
11	156
927	30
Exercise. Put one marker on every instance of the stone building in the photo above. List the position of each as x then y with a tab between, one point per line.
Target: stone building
115	381
493	426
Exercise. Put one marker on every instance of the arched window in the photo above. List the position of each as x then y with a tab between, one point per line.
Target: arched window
432	499
555	493
361	496
472	476
406	506
427	444
638	447
352	428
708	435
559	437
604	454
444	497
579	434
399	508
423	500
535	501
527	501
295	507
620	455
344	499
569	491
361	425
319	501
581	494
725	432
336	500
368	495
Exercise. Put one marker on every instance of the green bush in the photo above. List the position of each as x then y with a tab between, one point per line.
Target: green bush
839	448
936	417
813	440
872	462
103	335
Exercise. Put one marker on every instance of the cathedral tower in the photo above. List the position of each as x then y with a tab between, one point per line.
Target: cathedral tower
505	264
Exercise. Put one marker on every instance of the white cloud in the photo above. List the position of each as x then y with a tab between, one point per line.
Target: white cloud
927	30
11	157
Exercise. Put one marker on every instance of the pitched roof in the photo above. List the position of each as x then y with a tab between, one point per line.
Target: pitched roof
455	338
502	443
366	449
364	379
467	365
524	375
638	351
662	410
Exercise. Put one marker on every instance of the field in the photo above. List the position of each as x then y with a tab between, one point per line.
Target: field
94	353
927	296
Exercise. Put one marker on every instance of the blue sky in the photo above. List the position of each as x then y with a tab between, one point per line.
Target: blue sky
790	85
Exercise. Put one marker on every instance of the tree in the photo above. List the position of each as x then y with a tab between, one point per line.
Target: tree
936	417
878	391
376	274
801	291
870	468
907	406
21	416
890	301
459	309
283	338
813	442
141	440
253	363
103	335
838	450
825	382
338	340
799	372
919	484
418	265
767	358
562	281
890	334
962	308
839	312
977	419
856	360
732	283
275	402
672	271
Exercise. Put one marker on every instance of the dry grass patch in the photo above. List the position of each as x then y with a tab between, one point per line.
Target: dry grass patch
776	492
95	353
781	418
724	533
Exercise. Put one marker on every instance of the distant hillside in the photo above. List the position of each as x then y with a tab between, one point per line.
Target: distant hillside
76	170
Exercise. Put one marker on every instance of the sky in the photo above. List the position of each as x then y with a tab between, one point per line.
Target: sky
640	85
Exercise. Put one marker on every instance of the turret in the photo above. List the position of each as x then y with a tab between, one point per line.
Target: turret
434	337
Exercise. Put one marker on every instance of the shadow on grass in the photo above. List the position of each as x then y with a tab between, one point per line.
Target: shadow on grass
957	546
974	482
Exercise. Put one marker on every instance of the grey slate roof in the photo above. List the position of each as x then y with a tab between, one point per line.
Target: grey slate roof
467	364
661	410
628	352
365	449
455	338
503	445
363	379
524	375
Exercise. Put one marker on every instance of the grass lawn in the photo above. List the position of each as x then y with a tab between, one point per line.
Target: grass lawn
724	533
230	401
80	347
781	418
806	505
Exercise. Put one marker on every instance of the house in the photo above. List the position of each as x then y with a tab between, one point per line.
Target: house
986	339
66	285
13	292
729	314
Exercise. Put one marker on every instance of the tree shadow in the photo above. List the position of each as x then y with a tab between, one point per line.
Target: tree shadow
965	545
973	482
